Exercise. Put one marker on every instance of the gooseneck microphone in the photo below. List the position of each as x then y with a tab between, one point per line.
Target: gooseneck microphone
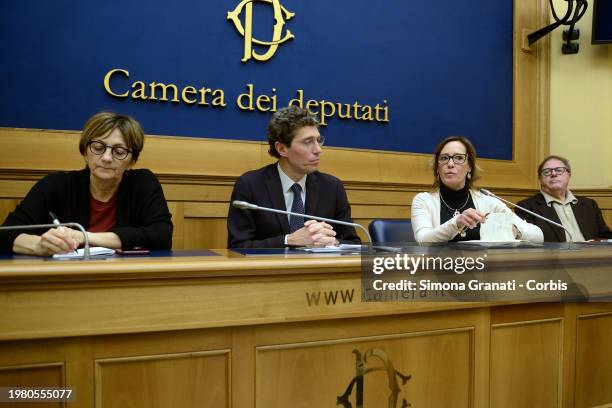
490	194
243	205
55	225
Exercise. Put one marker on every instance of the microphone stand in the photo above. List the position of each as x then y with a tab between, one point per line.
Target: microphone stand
86	254
569	234
243	205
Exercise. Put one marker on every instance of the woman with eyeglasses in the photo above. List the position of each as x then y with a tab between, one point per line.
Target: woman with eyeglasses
453	211
118	206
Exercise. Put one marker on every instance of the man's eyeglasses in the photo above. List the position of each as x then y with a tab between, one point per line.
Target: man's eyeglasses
311	141
456	158
99	148
558	170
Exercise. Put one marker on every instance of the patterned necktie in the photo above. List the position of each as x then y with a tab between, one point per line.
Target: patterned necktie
295	222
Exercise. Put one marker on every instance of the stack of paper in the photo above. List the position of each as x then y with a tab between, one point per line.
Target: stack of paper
93	251
332	248
497	228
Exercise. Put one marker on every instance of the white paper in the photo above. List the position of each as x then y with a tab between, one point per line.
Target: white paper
497	244
350	247
332	248
93	251
497	228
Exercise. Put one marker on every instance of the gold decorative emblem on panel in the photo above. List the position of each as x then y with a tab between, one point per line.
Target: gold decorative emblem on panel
281	16
361	369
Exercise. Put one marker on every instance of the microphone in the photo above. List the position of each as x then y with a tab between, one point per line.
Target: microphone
244	205
490	194
55	225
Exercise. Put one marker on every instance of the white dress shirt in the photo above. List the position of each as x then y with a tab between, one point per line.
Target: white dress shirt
287	183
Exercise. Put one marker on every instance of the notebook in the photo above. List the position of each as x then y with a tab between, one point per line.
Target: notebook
93	251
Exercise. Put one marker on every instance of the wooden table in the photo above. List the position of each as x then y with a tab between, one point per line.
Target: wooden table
288	331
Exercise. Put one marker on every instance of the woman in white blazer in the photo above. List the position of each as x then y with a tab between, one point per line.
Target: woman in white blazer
453	206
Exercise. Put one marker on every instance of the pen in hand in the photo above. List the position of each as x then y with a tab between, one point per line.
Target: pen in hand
462	231
56	221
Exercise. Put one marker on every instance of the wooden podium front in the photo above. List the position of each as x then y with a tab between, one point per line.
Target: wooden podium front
285	331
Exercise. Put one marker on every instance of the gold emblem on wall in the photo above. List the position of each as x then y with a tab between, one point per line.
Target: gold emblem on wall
281	16
361	369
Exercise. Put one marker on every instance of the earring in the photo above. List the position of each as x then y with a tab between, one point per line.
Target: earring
469	175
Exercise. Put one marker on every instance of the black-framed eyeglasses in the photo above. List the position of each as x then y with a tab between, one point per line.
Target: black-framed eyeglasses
458	158
558	170
99	148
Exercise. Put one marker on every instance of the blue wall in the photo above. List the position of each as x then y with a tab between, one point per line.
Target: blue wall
443	67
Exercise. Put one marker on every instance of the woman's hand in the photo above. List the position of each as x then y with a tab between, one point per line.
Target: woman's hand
58	241
470	218
76	235
517	233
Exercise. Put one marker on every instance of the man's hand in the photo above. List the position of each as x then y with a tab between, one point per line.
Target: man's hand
314	233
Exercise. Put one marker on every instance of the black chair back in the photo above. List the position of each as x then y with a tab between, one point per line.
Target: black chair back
391	230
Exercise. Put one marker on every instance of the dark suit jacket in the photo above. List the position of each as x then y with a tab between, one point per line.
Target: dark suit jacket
587	213
325	197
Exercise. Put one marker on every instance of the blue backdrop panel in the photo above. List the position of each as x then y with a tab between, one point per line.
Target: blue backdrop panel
443	67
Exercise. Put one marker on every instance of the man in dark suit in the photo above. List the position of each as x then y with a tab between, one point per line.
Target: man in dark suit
294	184
580	215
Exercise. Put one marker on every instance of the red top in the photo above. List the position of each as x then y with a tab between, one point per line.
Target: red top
102	215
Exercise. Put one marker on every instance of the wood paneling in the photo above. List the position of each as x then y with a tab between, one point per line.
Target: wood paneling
33	375
594	359
316	373
240	331
204	233
195	379
526	364
174	156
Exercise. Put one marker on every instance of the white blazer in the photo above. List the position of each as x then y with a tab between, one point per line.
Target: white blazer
426	218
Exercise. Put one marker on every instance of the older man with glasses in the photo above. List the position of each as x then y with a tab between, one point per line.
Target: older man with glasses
580	215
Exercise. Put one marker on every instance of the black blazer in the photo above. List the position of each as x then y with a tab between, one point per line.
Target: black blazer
142	216
587	213
325	197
